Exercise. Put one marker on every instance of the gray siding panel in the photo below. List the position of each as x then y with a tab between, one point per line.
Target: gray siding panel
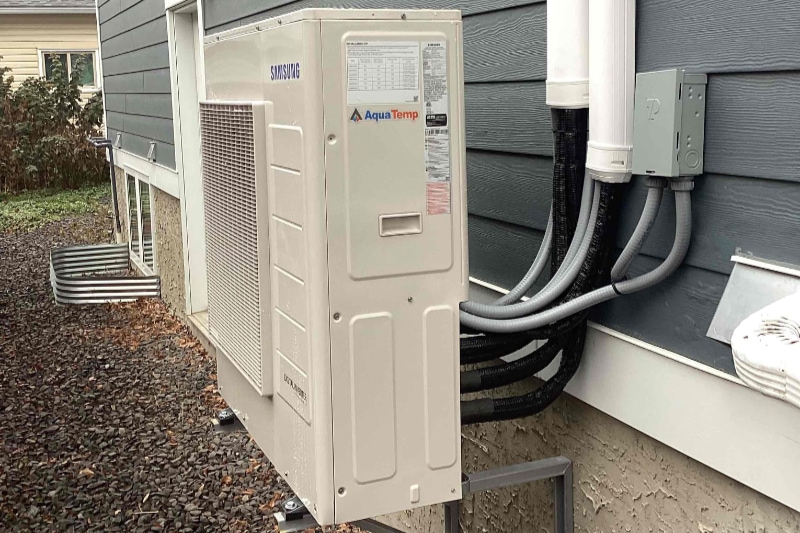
730	212
157	81
152	105
135	144
124	83
158	129
136	79
751	130
510	188
718	35
150	58
508	117
148	82
674	315
222	15
506	45
752	126
154	32
126	20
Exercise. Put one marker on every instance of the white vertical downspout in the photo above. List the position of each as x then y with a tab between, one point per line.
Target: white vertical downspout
568	54
612	74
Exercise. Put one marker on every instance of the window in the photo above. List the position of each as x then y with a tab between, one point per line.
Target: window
140	223
70	61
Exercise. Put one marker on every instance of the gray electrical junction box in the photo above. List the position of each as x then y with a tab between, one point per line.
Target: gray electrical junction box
669	123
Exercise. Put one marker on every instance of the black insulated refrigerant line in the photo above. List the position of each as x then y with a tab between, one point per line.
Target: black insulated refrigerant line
593	272
570	128
570	132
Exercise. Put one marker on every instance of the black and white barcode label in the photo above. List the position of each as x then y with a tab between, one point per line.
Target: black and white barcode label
437	131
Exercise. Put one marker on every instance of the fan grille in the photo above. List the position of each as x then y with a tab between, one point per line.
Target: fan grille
229	186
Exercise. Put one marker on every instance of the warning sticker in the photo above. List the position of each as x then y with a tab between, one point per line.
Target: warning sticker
437	131
382	72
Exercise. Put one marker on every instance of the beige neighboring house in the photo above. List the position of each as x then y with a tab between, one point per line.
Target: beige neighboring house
32	32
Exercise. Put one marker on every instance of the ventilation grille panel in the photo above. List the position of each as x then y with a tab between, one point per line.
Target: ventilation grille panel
229	185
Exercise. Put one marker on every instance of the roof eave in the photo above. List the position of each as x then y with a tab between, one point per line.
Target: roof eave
47	11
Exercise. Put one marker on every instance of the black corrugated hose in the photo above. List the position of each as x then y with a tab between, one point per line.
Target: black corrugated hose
593	272
570	132
569	128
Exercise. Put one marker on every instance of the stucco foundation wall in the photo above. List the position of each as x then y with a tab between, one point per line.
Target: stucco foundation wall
624	482
169	250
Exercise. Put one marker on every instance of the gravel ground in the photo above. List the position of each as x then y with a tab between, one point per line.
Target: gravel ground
106	412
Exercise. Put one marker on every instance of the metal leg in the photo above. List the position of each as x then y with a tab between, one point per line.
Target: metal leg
557	468
562	498
373	526
451	512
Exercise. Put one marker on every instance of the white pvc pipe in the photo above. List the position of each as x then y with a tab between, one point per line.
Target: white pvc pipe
568	54
612	75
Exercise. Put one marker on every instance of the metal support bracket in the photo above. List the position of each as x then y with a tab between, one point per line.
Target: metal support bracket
227	422
557	468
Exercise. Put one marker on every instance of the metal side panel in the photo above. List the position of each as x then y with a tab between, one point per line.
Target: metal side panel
395	191
255	66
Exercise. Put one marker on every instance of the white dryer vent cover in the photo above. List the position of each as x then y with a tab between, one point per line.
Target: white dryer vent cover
766	350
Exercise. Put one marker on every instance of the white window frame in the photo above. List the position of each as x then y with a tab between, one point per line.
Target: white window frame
142	180
98	78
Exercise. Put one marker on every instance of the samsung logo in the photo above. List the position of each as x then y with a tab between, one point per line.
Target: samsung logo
285	71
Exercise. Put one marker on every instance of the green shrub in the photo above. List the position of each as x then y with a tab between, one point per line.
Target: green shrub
44	130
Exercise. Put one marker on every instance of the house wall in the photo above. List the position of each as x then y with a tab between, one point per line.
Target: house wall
624	481
22	36
133	35
748	200
169	250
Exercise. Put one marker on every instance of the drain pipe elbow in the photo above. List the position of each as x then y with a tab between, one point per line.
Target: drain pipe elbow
612	77
568	54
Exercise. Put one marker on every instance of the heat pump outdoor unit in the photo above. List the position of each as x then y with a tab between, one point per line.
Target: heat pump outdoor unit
333	168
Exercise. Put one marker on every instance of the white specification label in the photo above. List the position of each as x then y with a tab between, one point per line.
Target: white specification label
382	72
437	127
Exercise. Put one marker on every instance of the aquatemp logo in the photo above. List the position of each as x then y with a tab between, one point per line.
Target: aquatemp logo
379	116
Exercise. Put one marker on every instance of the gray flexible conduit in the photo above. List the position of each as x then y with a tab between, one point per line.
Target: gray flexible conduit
560	282
649	213
680	247
536	269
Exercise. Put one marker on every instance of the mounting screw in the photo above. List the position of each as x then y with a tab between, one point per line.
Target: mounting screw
331	139
291	505
341	491
337	316
410	299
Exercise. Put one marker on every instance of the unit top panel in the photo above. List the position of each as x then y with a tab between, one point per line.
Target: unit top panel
338	14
